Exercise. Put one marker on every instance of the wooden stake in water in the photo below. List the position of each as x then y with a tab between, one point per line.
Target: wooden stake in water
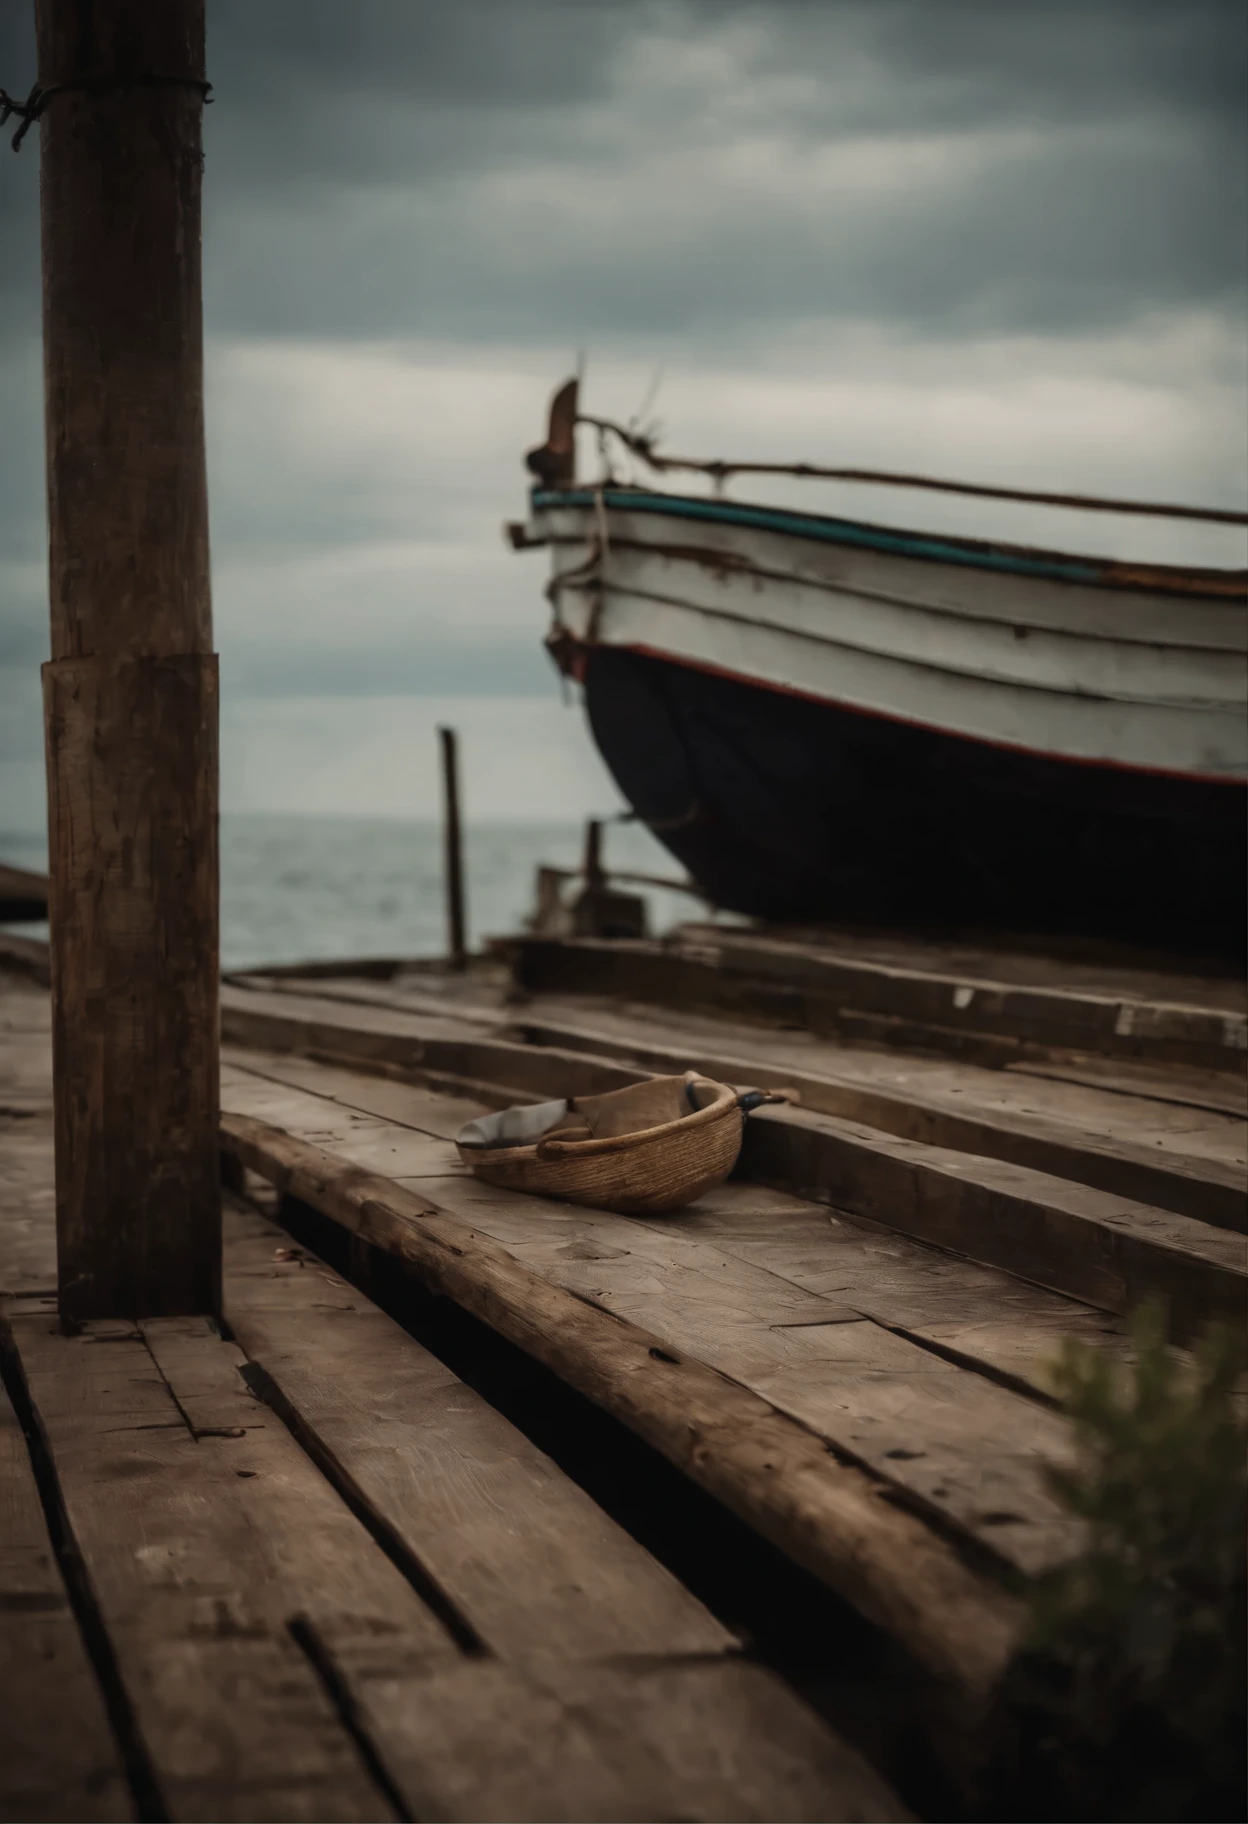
453	876
130	694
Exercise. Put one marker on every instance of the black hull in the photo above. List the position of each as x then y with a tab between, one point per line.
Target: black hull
792	810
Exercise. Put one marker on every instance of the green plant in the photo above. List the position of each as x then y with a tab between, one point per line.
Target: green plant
1127	1699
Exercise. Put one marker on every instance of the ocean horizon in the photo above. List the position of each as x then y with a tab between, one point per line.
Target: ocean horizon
300	886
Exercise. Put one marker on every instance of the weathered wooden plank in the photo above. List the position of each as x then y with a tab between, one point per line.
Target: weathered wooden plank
328	1016
1161	1153
58	1757
27	1207
398	1151
25	1048
1172	1158
225	1537
531	1561
954	1443
1107	1250
410	992
384	1098
1220	1092
424	1049
1080	1014
1004	1325
1076	965
1000	1325
1139	1086
661	1724
695	1740
757	978
252	1617
773	1472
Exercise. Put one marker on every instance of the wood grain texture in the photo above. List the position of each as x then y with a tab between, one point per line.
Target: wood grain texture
1179	1159
758	978
696	1740
1136	1083
1046	961
205	1532
1218	1092
865	1339
134	967
27	1168
1021	993
950	1442
1002	1325
774	1473
613	1693
262	1636
531	1561
130	692
1090	1244
406	1104
27	1208
58	1758
1108	1251
441	1051
121	175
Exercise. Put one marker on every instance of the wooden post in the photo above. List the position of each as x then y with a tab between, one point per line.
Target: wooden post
457	944
600	910
591	867
130	695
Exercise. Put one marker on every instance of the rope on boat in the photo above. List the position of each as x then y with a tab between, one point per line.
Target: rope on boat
644	446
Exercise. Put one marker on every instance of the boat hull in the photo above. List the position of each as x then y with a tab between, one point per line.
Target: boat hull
787	808
828	720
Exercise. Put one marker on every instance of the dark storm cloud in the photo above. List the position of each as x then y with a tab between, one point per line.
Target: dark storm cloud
957	62
693	180
366	165
376	156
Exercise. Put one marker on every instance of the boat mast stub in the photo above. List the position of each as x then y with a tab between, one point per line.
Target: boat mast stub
554	462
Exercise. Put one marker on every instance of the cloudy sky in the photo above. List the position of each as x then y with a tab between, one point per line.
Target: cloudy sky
989	238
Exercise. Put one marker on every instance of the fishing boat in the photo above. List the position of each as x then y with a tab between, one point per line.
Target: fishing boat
827	720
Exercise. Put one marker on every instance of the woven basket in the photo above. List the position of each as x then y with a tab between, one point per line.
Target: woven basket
652	1170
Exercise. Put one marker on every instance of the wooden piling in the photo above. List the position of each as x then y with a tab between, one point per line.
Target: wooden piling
130	693
453	852
595	878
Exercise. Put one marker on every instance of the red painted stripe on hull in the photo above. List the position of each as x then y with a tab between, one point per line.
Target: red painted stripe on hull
935	728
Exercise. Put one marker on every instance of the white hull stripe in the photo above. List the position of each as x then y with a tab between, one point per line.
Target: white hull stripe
1157	705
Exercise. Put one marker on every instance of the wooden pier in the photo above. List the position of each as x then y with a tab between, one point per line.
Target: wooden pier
292	1566
335	1484
295	1566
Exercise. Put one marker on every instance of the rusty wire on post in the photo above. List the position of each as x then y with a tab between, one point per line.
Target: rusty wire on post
28	111
643	445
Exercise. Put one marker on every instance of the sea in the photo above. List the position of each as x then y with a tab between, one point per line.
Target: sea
299	887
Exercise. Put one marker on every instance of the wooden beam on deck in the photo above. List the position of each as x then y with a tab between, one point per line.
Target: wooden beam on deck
130	693
770	1470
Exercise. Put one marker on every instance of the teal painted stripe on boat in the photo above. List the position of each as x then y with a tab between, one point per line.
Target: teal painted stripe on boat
833	531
